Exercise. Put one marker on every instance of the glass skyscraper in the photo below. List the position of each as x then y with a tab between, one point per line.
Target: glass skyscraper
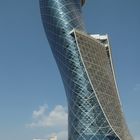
86	67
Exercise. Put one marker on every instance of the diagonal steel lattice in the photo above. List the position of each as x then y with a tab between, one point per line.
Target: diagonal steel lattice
89	104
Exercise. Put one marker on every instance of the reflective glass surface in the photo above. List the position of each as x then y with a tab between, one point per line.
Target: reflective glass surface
87	120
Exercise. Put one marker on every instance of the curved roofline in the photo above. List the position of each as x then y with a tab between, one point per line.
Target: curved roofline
82	2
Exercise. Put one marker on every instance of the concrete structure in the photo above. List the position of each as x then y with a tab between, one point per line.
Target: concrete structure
85	64
53	138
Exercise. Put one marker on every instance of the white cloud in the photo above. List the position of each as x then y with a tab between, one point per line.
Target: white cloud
57	118
41	112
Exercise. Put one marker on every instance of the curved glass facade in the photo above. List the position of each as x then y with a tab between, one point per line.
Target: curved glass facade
87	116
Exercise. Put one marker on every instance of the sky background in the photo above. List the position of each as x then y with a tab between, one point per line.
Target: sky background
32	96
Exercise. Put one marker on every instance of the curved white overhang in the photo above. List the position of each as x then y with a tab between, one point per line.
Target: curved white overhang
120	130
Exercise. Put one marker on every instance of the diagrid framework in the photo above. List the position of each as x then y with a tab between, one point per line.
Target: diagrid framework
85	64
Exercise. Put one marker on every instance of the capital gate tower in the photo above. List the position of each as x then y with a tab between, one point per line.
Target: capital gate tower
86	68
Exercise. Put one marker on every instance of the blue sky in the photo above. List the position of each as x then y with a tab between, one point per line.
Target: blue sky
32	95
